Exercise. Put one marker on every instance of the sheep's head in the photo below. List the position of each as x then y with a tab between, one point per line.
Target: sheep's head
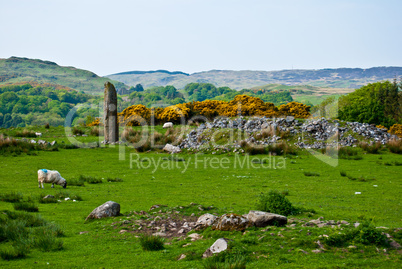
64	185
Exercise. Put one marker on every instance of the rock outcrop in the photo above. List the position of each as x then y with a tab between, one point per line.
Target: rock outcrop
231	222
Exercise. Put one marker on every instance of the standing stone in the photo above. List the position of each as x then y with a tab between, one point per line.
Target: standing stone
110	114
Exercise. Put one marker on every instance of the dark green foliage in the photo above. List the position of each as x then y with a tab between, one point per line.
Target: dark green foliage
46	239
368	234
22	105
267	95
76	182
365	234
28	219
343	173
203	91
23	231
114	179
156	95
275	202
311	174
90	179
13	253
349	153
11	197
376	103
151	243
236	257
28	207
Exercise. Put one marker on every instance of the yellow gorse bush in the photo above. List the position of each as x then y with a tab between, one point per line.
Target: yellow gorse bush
96	122
241	105
381	127
396	129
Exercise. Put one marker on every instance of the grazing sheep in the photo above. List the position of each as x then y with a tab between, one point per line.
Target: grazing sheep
50	176
38	134
168	125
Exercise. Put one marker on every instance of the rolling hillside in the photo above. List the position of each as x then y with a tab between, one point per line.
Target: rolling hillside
15	70
335	78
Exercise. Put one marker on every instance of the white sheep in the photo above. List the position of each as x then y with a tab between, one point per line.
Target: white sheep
168	125
51	176
38	134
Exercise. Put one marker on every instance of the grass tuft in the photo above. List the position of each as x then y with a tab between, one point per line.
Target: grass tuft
151	243
26	206
12	197
395	146
117	179
25	133
90	179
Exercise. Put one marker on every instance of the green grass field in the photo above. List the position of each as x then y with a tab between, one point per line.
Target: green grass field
152	179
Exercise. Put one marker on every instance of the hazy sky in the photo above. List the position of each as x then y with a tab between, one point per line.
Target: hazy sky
197	35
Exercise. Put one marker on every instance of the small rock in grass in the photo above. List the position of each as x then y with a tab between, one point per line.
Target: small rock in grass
195	236
220	245
182	256
394	244
317	251
159	234
305	252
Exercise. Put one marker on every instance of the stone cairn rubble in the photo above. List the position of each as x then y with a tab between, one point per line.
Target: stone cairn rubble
314	134
110	114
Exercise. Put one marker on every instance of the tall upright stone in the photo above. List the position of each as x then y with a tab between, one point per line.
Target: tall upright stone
110	114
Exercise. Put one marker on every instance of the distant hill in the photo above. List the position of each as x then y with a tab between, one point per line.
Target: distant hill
336	78
15	70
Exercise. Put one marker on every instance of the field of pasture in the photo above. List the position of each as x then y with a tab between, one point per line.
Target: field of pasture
190	185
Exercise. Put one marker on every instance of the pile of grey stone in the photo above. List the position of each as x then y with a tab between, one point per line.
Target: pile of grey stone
316	133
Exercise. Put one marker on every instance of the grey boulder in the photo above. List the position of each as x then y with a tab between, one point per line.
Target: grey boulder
108	209
231	222
206	220
263	219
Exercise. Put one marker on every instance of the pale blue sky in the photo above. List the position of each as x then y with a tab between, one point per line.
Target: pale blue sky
197	35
